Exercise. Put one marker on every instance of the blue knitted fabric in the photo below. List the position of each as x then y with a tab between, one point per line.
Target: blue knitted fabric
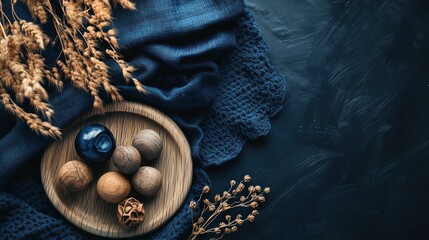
250	92
230	101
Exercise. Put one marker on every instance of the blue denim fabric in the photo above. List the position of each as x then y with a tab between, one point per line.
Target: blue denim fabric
200	61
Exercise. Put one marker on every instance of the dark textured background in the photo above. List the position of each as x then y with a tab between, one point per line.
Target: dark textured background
347	158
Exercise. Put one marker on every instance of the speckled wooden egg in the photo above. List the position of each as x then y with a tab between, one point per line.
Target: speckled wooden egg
113	187
126	159
75	175
149	144
147	180
95	143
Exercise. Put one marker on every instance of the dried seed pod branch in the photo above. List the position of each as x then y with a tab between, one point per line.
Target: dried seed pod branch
228	200
83	27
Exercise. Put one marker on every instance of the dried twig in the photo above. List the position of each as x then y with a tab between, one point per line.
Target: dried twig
234	198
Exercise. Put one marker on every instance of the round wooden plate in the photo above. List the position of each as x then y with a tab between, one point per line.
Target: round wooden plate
86	209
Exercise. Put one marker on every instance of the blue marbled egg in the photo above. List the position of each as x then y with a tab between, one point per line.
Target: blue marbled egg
95	143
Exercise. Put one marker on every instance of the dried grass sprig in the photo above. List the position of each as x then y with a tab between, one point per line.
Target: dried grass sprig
83	27
235	198
32	120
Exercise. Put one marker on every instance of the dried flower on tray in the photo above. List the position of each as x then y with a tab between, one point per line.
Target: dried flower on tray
82	26
236	197
130	212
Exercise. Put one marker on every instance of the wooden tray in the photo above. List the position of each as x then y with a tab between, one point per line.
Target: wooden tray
86	209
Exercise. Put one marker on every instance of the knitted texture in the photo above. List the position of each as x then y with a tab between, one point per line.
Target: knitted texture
250	91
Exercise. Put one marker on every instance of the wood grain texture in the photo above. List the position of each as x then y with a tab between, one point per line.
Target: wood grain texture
86	209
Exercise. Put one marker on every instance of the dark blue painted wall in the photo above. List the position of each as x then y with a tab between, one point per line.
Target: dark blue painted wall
347	158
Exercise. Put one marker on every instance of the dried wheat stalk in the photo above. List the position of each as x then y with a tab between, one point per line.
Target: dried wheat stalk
85	25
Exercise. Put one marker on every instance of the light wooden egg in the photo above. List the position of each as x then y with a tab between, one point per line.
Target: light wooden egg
113	187
147	180
126	159
75	175
149	144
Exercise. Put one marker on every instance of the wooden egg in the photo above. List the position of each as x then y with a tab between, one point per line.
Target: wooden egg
113	187
149	144
126	159
147	180
75	175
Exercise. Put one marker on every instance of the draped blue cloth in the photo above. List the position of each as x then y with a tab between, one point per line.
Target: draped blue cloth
204	63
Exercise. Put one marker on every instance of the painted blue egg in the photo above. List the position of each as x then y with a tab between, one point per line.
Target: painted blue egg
95	143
